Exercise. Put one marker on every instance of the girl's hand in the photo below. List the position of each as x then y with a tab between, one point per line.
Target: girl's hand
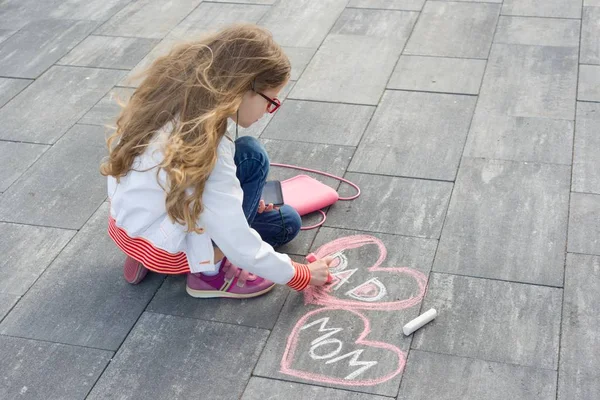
264	208
319	271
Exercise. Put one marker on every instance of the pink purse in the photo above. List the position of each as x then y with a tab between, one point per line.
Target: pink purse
307	195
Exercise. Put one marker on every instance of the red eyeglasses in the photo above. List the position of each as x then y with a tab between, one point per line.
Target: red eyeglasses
274	103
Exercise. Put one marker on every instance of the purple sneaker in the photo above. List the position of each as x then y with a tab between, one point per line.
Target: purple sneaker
231	281
133	271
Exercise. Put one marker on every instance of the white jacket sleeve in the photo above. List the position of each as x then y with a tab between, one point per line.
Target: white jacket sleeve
224	221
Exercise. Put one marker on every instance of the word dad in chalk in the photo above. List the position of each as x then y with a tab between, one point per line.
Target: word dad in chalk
418	322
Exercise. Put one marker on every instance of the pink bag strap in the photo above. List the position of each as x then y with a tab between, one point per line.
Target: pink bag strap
304	228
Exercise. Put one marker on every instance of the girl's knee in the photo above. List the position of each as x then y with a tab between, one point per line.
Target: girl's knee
293	222
250	147
250	151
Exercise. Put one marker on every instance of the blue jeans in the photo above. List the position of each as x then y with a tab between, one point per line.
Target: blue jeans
275	227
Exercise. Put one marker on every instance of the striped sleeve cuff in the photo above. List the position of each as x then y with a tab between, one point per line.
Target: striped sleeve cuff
301	278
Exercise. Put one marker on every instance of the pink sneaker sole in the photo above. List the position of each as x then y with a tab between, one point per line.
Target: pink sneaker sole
206	294
133	271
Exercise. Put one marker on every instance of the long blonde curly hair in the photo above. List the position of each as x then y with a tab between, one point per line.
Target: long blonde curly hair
196	87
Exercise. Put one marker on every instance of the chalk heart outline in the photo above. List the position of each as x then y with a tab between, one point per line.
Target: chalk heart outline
292	345
324	296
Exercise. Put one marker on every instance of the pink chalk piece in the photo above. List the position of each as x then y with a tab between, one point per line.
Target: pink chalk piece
311	258
325	296
292	344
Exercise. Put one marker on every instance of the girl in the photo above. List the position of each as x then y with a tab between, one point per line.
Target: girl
184	197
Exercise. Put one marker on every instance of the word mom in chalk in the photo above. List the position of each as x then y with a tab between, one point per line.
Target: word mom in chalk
326	339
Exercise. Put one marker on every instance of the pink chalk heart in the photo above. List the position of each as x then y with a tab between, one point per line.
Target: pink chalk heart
366	296
355	359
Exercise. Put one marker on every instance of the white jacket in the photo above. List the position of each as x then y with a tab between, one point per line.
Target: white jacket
137	203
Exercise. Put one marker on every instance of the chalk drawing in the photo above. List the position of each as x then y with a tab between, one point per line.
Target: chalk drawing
367	295
363	365
339	278
372	290
325	296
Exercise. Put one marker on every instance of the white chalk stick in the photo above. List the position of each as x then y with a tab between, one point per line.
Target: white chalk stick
419	321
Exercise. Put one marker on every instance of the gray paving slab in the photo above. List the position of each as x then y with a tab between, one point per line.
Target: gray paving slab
331	159
135	76
578	386
388	24
109	52
414	134
9	88
15	159
15	15
314	357
579	354
584	225
342	70
530	81
5	34
210	17
438	74
95	10
32	50
361	41
407	5
302	23
538	31
591	3
444	377
167	357
7	301
507	220
63	188
520	139
492	320
475	1
268	2
82	299
586	162
399	206
106	111
20	267
257	128
18	13
270	389
151	19
299	58
317	122
453	29
48	107
590	30
40	370
589	83
260	312
543	8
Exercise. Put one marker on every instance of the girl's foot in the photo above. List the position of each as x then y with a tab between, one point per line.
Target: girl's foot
231	281
133	271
